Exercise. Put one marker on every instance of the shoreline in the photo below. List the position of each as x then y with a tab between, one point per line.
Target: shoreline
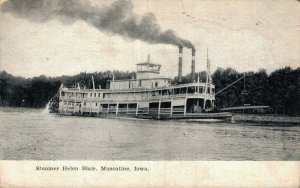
251	119
267	119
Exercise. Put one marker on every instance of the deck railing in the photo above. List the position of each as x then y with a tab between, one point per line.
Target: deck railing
135	98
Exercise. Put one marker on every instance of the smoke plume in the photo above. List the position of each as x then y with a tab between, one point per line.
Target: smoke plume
117	18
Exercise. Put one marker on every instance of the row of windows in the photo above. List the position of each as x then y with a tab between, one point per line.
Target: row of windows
164	92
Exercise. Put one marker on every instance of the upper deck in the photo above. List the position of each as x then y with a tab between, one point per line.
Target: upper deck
190	90
147	76
147	85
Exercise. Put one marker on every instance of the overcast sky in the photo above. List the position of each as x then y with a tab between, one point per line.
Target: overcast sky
244	35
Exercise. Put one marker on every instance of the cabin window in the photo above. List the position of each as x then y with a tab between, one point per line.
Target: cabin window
183	90
165	105
191	89
104	95
140	82
153	105
98	94
164	92
95	94
133	105
122	105
91	94
200	89
84	103
176	91
96	104
62	93
208	90
213	90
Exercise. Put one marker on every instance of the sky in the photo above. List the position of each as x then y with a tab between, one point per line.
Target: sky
244	35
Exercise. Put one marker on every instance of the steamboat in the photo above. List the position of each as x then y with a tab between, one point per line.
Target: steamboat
149	96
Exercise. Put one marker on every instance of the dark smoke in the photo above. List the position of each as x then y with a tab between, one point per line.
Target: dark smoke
118	18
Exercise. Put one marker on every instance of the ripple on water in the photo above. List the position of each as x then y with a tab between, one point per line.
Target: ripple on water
28	135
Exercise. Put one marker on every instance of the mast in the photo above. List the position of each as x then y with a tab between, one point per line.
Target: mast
207	79
93	83
148	60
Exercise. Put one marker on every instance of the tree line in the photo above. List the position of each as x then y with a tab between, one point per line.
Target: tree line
279	89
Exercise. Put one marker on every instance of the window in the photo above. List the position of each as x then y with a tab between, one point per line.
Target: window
200	89
191	90
91	94
164	92
183	90
94	94
98	94
96	104
140	82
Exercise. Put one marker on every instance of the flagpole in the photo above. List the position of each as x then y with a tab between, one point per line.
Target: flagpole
207	77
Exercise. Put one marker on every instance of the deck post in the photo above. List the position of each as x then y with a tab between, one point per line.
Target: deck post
127	108
171	113
137	109
67	105
90	107
61	106
99	108
184	112
108	107
117	109
82	107
159	104
74	106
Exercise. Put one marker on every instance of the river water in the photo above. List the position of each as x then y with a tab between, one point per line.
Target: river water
30	134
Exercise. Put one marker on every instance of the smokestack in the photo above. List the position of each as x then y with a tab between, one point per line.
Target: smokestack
193	63
180	64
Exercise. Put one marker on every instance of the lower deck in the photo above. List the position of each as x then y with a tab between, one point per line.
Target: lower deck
174	108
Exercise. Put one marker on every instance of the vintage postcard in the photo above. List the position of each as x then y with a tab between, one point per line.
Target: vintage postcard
147	93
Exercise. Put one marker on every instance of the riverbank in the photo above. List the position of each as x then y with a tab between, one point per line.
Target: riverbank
267	119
